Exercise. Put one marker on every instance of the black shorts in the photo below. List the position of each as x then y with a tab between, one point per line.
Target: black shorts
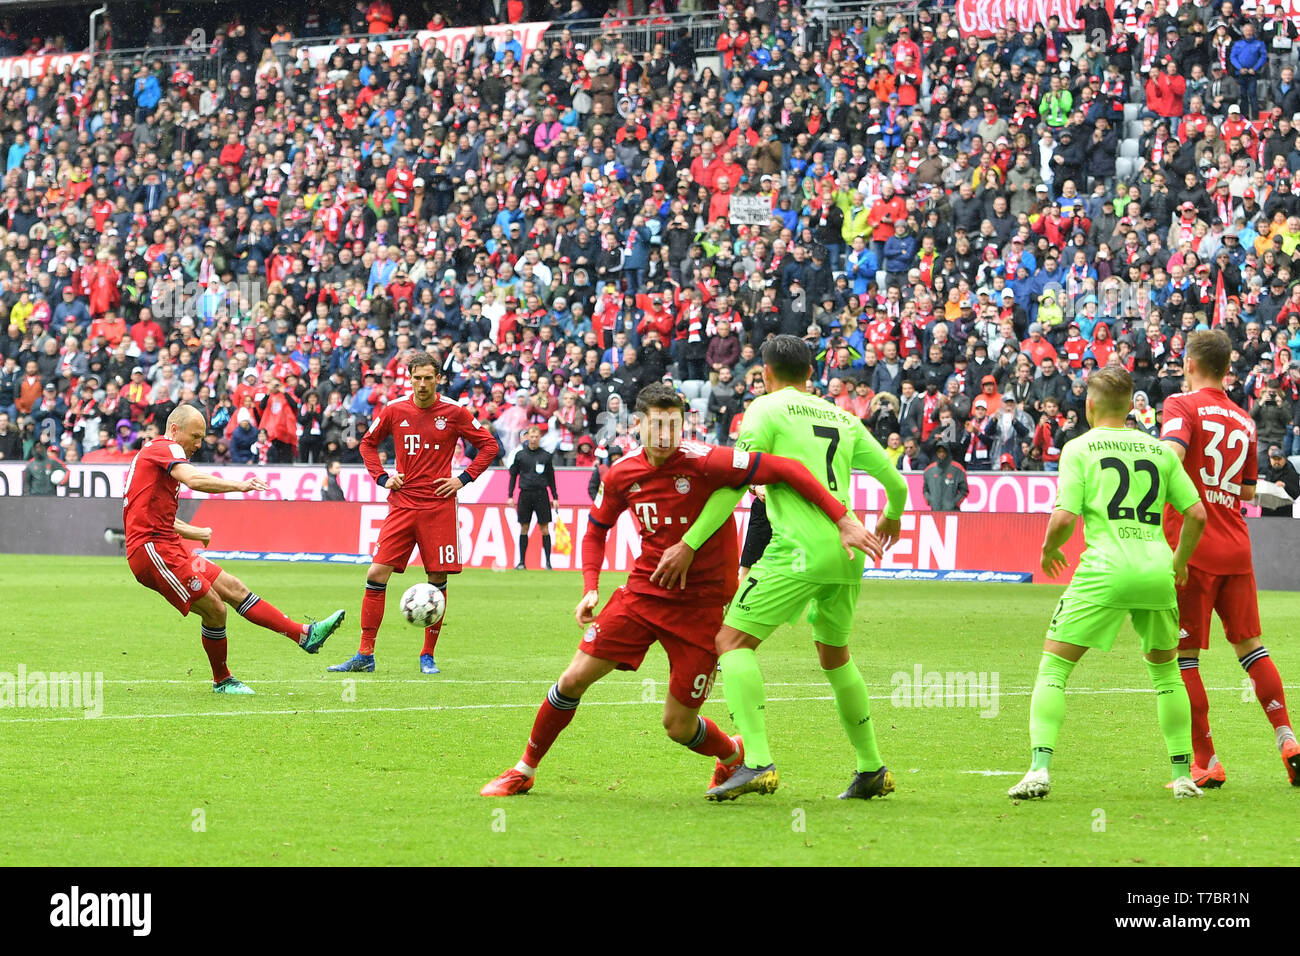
534	503
758	535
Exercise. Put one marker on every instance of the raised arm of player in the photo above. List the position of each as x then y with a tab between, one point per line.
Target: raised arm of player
481	438
196	480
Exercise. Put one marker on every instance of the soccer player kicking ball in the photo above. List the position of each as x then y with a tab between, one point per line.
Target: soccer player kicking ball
421	498
801	565
665	484
1217	444
1119	479
193	583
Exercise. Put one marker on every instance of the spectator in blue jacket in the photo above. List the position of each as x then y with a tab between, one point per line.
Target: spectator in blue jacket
147	94
636	254
242	439
1249	58
860	266
17	151
900	250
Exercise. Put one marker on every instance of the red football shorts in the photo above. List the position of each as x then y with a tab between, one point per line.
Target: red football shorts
1232	596
630	623
432	528
166	567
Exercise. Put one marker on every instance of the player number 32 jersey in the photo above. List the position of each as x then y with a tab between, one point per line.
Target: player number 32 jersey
1221	460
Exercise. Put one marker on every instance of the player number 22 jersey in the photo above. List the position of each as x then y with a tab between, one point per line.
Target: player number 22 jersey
1119	480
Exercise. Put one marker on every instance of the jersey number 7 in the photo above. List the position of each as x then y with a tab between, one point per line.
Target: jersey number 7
831	435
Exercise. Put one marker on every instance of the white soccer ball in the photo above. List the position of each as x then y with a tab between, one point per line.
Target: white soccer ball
423	605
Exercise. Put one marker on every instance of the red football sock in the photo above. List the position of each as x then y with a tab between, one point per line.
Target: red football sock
433	630
267	615
214	645
1268	686
713	742
552	717
1202	742
372	615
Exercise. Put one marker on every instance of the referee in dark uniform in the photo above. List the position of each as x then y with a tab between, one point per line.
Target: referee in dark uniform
535	472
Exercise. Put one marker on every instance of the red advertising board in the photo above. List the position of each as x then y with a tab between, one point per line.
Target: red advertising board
346	532
983	18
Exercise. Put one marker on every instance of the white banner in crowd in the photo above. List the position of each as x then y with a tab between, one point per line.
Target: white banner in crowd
451	42
17	67
750	210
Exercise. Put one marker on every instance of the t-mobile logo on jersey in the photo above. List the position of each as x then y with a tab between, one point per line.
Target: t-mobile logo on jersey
412	444
648	514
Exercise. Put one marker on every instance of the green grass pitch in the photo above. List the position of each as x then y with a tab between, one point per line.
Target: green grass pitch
385	768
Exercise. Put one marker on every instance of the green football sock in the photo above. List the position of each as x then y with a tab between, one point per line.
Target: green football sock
853	704
743	683
1047	707
1174	709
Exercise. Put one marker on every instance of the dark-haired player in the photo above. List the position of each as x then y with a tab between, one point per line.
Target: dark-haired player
798	569
1119	480
421	497
191	582
664	484
1216	441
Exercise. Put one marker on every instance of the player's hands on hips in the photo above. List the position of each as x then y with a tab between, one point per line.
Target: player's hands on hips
584	612
254	484
854	535
395	482
1053	562
1180	575
446	487
673	565
888	531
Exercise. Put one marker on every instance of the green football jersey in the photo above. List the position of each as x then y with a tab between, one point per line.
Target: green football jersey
830	443
1119	480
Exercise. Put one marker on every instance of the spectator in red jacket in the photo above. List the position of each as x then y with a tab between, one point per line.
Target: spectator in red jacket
279	419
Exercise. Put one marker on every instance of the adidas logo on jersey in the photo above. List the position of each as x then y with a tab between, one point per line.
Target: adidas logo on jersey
405	424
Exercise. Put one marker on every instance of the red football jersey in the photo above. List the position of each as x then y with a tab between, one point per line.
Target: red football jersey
425	443
666	501
1221	458
149	495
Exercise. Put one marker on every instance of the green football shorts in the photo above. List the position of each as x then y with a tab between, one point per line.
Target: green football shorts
1091	625
765	601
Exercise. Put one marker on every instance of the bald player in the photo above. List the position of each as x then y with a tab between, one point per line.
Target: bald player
190	582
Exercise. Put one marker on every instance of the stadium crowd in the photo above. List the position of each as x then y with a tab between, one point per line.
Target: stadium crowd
949	230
